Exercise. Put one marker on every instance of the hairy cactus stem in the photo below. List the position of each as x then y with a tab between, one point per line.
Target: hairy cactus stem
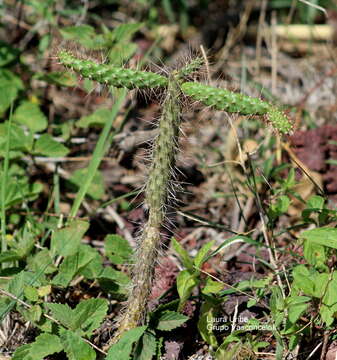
112	75
156	195
222	99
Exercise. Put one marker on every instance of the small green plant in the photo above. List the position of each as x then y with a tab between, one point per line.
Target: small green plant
163	160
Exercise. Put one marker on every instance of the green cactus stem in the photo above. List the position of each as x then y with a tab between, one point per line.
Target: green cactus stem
111	75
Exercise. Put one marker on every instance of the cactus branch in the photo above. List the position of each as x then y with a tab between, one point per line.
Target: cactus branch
156	199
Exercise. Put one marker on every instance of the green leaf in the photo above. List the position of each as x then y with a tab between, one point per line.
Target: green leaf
44	345
315	202
169	320
184	257
296	307
201	255
7	53
47	146
61	78
89	314
304	279
19	191
121	52
97	118
31	293
212	287
315	254
72	264
84	35
96	188
146	347
41	260
328	309
94	268
205	323
321	281
280	207
322	236
8	256
75	347
113	281
10	85
124	32
231	240
186	282
117	249
122	349
18	140
62	313
32	314
30	115
66	241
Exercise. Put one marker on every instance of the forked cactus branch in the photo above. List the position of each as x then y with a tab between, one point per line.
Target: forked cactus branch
164	153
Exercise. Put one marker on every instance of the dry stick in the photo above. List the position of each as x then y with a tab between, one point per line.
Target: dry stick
156	199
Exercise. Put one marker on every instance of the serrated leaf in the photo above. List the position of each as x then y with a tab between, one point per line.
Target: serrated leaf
117	249
113	281
184	257
75	347
32	314
73	264
38	350
41	260
89	314
170	320
66	241
146	347
122	349
30	115
186	282
47	146
62	313
8	256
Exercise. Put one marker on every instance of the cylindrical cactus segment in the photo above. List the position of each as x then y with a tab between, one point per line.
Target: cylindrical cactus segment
111	75
191	67
156	195
279	120
229	101
223	99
